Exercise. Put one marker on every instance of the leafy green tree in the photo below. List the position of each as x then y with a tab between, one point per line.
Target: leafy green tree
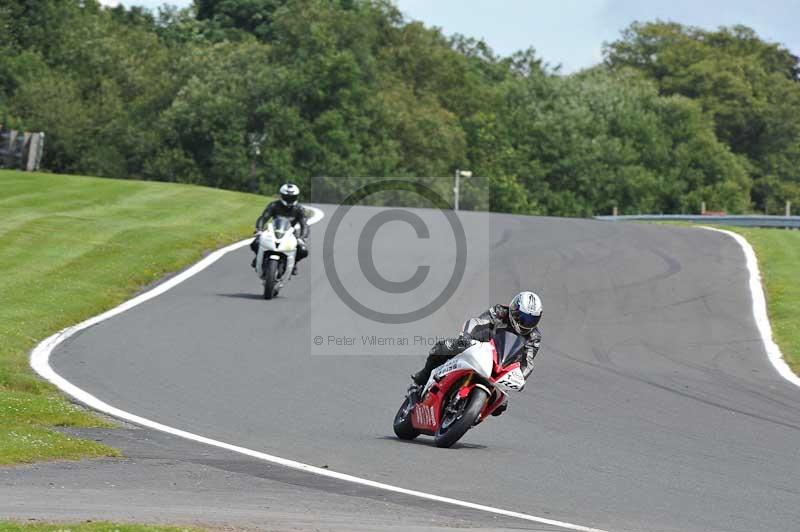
586	143
244	94
249	16
749	86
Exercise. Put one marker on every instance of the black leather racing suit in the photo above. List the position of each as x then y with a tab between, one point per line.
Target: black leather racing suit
481	328
295	213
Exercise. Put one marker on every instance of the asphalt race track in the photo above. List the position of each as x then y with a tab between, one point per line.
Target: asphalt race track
652	407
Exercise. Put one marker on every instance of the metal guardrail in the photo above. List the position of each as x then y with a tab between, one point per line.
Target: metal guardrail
745	220
20	150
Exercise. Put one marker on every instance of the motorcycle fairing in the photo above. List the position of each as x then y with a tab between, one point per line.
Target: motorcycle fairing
508	377
427	413
278	245
479	357
481	364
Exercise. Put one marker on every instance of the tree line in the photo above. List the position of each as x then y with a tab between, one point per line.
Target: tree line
245	94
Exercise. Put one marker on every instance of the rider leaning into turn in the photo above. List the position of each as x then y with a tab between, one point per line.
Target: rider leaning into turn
520	317
288	207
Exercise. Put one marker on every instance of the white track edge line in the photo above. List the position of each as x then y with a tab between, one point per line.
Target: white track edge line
317	216
760	307
40	362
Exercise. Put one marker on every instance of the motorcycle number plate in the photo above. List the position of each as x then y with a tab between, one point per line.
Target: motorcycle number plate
513	380
447	367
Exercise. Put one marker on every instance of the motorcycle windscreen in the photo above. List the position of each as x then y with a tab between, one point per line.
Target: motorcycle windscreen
508	346
281	225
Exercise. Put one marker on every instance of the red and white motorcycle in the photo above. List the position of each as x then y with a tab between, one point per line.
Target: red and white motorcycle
464	391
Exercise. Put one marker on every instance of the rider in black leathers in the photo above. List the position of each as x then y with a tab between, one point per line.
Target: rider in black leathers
482	328
288	207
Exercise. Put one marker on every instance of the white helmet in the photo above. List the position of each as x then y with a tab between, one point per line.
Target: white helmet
524	312
289	194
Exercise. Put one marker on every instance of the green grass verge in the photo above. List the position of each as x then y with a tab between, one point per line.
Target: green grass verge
778	252
72	247
9	526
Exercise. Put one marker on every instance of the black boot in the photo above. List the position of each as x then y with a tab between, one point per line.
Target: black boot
431	363
500	409
413	393
294	269
421	377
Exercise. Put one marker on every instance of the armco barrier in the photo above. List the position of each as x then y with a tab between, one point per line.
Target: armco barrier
745	220
20	150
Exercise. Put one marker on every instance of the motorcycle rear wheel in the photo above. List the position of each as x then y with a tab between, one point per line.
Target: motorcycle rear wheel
270	279
447	434
402	422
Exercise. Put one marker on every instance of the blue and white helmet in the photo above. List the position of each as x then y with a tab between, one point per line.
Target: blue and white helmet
290	193
524	312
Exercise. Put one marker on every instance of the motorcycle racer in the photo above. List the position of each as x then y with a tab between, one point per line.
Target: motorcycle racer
289	207
521	317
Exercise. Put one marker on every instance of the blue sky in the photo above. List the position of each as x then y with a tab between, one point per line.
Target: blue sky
572	32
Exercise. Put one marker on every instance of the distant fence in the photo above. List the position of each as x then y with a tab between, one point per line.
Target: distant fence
792	222
21	150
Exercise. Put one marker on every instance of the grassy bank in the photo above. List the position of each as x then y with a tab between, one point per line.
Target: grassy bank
71	247
778	252
10	526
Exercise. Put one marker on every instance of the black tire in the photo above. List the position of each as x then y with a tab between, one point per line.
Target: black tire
270	279
447	435
402	422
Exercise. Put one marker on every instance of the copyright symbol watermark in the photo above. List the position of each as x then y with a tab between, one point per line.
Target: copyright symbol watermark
366	260
391	264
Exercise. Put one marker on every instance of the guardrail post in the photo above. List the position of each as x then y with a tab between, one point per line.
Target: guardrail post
23	152
32	163
39	151
18	150
5	146
12	149
702	207
788	210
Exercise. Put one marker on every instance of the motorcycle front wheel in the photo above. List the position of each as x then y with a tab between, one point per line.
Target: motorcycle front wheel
402	421
270	279
458	416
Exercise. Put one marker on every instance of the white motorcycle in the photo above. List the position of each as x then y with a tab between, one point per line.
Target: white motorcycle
277	252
